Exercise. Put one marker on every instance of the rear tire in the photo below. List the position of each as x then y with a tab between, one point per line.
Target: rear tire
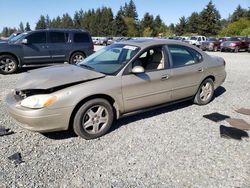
8	64
93	119
76	57
205	92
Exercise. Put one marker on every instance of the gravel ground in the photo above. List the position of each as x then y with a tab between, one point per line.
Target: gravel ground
170	147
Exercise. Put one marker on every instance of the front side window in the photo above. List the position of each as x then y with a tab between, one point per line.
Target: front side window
152	59
81	38
38	37
110	59
57	37
183	56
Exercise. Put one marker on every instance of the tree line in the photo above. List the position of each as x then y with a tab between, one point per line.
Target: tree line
103	22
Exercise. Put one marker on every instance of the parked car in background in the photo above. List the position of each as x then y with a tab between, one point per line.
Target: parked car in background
196	40
234	44
212	44
249	48
125	77
10	37
44	47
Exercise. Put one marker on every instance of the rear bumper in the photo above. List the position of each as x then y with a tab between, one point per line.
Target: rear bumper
40	120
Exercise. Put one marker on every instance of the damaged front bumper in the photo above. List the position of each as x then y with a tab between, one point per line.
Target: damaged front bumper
40	120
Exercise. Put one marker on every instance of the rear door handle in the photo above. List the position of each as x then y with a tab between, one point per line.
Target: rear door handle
165	77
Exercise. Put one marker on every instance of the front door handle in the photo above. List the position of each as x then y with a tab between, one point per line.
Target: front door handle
200	70
165	77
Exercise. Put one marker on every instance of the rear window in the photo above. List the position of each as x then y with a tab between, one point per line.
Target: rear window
81	38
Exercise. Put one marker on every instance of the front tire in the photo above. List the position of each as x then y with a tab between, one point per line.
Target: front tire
205	92
93	119
236	50
8	64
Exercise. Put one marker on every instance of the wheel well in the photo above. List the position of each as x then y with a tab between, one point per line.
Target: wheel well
13	55
212	77
102	96
76	52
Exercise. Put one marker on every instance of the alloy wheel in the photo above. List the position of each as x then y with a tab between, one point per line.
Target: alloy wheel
95	119
77	59
206	91
7	65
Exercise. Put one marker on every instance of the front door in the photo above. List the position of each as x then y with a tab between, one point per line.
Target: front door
36	50
150	88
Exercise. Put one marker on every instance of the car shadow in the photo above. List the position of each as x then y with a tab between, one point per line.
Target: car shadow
133	118
145	115
61	135
219	91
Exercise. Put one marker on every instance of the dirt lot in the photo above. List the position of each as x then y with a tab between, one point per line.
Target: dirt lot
170	147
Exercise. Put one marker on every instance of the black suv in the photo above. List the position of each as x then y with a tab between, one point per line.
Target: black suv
44	47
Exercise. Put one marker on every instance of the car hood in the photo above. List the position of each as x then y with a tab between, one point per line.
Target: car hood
55	76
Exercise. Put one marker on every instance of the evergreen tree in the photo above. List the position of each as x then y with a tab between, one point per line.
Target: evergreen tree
193	23
238	13
210	20
67	21
76	20
172	28
47	21
120	25
106	21
27	27
41	24
131	18
147	25
5	32
181	27
21	27
159	27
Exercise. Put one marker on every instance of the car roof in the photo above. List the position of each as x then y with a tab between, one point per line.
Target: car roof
61	29
144	43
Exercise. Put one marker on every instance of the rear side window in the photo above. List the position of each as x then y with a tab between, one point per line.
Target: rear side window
38	37
183	56
57	37
81	38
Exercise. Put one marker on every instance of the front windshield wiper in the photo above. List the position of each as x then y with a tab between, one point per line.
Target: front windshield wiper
86	66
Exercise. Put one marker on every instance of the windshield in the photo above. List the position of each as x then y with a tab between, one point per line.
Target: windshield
16	38
193	38
110	59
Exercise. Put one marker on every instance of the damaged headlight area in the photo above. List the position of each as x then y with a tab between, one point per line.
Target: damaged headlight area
38	101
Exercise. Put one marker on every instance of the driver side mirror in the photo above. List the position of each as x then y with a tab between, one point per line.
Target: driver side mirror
25	41
138	69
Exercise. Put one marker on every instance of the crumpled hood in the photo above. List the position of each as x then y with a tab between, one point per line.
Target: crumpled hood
50	77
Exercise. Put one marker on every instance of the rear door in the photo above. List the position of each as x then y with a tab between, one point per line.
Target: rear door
187	71
36	50
57	44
